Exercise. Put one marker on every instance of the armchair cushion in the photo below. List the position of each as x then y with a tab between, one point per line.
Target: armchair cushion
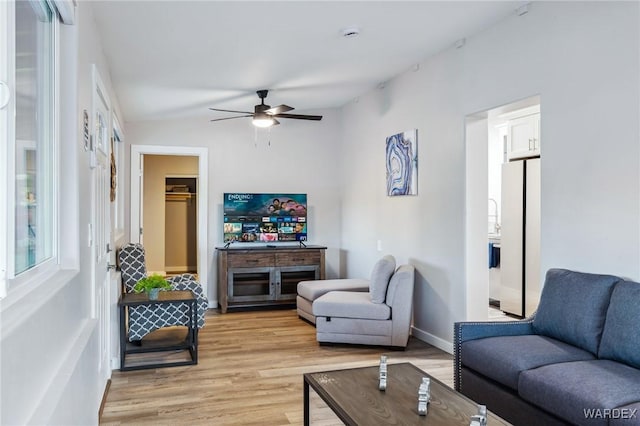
516	354
311	290
620	338
380	275
349	304
573	307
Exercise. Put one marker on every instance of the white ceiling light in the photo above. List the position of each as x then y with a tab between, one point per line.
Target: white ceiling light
262	119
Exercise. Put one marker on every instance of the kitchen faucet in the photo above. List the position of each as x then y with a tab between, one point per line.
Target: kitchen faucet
496	223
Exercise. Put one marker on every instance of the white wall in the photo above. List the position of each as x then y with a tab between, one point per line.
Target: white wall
302	158
49	341
582	59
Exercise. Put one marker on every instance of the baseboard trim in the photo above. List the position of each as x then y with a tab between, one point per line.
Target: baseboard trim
432	340
104	399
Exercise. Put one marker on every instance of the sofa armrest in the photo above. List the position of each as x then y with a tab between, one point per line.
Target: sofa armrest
465	331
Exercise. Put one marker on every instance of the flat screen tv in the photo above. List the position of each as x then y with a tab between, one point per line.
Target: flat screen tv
265	218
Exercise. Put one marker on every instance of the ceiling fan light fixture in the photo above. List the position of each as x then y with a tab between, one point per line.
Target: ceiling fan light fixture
261	119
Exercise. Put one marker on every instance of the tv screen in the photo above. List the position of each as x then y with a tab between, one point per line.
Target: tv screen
264	218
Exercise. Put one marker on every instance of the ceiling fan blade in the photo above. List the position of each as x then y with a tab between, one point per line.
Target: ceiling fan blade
275	122
230	110
231	118
278	109
300	116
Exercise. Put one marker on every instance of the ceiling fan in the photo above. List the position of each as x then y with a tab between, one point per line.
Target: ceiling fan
265	116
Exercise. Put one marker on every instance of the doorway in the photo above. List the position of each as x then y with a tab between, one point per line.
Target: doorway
495	137
145	230
180	224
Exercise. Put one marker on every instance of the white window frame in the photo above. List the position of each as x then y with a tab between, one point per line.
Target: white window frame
7	32
13	287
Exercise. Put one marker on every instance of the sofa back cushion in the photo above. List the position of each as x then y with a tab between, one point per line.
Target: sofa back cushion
573	307
401	287
382	271
621	338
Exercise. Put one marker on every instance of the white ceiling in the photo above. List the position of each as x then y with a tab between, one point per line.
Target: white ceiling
172	59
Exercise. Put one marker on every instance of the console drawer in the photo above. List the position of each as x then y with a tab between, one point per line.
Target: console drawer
250	260
298	258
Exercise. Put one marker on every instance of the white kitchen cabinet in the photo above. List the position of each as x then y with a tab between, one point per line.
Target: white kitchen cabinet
523	137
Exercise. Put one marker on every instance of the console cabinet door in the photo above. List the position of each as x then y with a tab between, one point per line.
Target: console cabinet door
250	284
288	277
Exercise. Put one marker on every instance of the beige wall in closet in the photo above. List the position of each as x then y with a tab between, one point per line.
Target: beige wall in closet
155	214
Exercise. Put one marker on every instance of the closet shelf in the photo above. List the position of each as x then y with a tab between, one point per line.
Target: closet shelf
178	196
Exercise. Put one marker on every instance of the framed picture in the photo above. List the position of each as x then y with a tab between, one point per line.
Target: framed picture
402	163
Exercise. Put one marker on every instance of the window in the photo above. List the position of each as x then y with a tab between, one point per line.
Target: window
30	135
34	130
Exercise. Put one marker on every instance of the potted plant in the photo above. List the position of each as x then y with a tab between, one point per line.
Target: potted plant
152	285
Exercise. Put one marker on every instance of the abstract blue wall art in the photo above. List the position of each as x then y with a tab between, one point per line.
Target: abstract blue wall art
402	163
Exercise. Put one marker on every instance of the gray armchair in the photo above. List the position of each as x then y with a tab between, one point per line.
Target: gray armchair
147	318
381	316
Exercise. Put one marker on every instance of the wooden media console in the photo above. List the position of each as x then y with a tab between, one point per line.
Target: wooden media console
265	276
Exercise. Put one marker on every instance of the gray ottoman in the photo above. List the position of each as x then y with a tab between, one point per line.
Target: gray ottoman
308	291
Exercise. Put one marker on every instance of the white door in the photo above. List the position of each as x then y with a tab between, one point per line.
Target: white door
101	220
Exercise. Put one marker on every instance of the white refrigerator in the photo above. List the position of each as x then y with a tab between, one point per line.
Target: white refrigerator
520	237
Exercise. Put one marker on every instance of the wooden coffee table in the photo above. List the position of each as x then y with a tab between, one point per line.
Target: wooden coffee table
354	396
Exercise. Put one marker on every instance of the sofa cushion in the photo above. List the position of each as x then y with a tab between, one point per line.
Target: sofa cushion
621	337
313	289
572	390
380	275
348	304
503	358
626	415
573	307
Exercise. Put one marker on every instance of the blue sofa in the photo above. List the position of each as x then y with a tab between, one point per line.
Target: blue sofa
575	361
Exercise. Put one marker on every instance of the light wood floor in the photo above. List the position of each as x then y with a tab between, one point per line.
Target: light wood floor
250	373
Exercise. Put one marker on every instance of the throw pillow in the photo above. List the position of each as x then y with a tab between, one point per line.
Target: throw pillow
620	338
382	271
573	307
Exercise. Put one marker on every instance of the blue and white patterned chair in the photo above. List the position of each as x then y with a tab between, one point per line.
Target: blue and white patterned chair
147	318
